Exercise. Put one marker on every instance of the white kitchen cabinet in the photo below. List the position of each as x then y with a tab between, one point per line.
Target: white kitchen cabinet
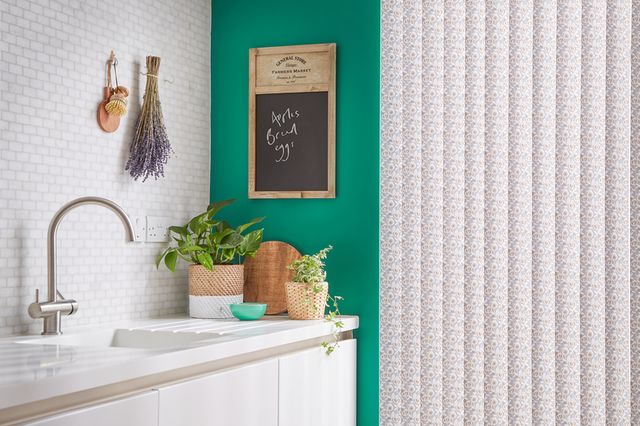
241	396
316	389
301	388
138	410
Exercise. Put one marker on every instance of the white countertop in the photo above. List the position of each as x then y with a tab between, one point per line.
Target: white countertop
32	372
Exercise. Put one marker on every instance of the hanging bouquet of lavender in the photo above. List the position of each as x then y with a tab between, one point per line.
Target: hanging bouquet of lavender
150	148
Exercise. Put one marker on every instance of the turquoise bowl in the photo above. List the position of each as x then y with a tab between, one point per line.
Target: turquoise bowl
248	311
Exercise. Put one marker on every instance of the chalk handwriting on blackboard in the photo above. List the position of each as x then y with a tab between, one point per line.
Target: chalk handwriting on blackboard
281	135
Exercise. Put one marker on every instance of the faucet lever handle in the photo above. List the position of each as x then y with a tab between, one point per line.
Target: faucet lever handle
37	295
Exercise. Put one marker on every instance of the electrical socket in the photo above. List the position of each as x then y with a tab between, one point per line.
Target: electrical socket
140	229
158	229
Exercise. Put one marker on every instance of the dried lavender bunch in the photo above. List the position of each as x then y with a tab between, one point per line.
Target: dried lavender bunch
150	148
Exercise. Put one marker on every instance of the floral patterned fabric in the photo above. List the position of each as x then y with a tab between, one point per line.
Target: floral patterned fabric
510	212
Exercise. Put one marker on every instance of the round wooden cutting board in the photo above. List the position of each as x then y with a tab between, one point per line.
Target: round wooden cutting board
265	275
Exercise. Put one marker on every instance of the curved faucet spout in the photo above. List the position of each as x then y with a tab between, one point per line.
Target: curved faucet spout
52	322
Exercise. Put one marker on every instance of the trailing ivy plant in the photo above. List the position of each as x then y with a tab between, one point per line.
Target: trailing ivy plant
309	269
207	241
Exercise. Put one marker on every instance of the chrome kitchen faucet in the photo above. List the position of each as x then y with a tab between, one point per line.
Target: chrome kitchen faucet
56	305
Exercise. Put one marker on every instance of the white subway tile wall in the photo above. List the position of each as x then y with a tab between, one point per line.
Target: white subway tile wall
52	66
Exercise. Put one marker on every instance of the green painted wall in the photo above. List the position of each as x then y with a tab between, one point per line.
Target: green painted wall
349	222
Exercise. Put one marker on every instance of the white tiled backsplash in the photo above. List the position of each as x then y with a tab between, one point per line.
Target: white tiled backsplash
52	151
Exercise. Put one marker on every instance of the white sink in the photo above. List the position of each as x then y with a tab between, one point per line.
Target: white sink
125	338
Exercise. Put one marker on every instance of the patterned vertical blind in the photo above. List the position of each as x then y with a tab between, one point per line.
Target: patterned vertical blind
510	282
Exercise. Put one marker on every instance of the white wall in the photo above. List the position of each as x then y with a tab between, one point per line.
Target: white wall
51	78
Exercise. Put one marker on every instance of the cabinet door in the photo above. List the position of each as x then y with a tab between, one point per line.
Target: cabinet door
138	410
318	389
242	396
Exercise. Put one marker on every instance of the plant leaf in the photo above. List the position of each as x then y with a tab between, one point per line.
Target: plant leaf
180	230
184	249
251	243
240	229
170	260
198	225
205	260
227	255
220	235
222	226
215	207
232	240
211	223
160	257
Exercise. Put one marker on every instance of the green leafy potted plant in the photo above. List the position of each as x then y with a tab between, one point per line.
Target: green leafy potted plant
308	294
215	250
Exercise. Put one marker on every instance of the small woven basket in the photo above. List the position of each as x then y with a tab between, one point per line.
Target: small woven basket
303	303
211	292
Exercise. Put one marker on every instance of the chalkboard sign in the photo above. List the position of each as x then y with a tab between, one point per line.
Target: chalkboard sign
291	131
292	122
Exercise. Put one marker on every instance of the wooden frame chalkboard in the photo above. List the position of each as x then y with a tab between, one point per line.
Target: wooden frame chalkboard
292	95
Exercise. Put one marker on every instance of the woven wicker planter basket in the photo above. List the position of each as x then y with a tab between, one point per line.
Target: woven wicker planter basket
303	304
211	292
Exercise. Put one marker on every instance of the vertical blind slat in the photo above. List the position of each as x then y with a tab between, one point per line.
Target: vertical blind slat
411	211
568	211
474	214
453	226
543	211
635	214
592	145
617	241
520	215
496	213
431	227
390	203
